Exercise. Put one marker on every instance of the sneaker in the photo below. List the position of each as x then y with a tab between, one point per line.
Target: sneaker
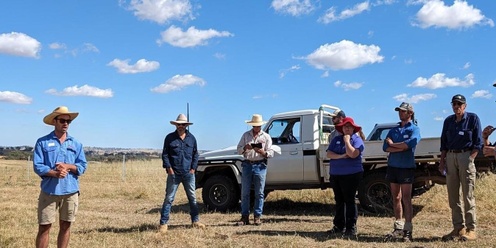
407	236
394	235
456	234
163	228
470	235
257	221
198	225
245	220
335	230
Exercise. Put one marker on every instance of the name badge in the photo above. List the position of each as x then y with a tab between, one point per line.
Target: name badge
51	144
405	136
460	133
338	142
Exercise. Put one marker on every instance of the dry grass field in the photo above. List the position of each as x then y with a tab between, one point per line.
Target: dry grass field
119	207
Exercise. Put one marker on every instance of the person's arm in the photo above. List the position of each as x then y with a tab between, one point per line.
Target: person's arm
351	151
165	155
194	162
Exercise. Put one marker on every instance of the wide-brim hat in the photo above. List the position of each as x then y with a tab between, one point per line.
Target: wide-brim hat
349	120
62	110
181	119
256	120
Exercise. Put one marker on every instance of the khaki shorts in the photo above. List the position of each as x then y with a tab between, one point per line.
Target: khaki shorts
48	205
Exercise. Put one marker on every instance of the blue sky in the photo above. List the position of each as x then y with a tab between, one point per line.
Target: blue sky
129	67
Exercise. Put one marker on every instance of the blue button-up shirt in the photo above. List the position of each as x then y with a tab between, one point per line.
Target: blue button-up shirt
410	134
465	134
48	151
345	166
180	155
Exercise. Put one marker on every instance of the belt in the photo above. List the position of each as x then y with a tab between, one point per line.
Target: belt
459	151
256	161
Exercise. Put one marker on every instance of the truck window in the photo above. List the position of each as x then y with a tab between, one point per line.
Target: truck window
285	131
380	134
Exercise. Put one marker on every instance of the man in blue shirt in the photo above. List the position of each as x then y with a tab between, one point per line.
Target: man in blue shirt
460	143
180	160
59	160
401	142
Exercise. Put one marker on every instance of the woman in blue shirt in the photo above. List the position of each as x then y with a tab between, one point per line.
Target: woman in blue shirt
346	171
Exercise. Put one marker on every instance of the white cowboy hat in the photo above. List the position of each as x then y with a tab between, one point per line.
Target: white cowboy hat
181	119
256	120
62	110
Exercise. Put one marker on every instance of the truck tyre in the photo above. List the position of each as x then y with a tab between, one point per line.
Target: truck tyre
220	193
374	193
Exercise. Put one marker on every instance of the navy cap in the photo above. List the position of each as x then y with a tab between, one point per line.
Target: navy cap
458	98
404	106
339	113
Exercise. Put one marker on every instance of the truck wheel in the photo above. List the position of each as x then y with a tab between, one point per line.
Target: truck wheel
220	193
374	193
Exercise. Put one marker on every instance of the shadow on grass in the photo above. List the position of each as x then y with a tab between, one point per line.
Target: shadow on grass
131	229
322	236
290	207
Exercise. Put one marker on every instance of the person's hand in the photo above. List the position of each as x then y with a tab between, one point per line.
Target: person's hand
487	131
247	147
169	171
192	171
389	141
489	151
442	167
346	137
260	151
62	170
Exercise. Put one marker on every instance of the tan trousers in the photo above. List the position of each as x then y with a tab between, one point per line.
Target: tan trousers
461	172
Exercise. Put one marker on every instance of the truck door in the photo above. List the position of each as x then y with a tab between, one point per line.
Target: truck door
286	167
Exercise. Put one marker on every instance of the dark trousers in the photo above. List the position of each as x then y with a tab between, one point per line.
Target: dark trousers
345	187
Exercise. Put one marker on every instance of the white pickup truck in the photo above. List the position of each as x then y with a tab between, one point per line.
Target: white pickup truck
301	139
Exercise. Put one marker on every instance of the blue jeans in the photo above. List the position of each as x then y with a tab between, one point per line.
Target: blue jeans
253	173
173	182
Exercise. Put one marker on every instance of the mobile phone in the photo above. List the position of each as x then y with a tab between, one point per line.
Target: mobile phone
256	145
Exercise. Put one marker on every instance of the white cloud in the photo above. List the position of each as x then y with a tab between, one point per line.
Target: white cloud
88	47
162	11
344	55
19	44
293	7
439	80
141	65
348	86
482	94
178	82
84	90
291	69
220	56
457	16
415	98
14	97
330	15
438	118
57	46
466	66
191	37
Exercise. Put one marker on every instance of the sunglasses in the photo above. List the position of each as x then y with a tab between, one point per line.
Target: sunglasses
456	103
63	121
180	124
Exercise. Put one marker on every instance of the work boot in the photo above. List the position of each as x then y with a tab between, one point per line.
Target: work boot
350	232
198	225
335	230
245	220
470	235
257	221
455	234
163	228
396	234
407	236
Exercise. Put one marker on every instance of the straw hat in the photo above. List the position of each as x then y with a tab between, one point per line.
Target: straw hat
350	120
256	120
181	119
62	110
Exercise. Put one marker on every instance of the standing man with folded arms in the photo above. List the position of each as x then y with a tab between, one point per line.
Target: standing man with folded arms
256	147
460	143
